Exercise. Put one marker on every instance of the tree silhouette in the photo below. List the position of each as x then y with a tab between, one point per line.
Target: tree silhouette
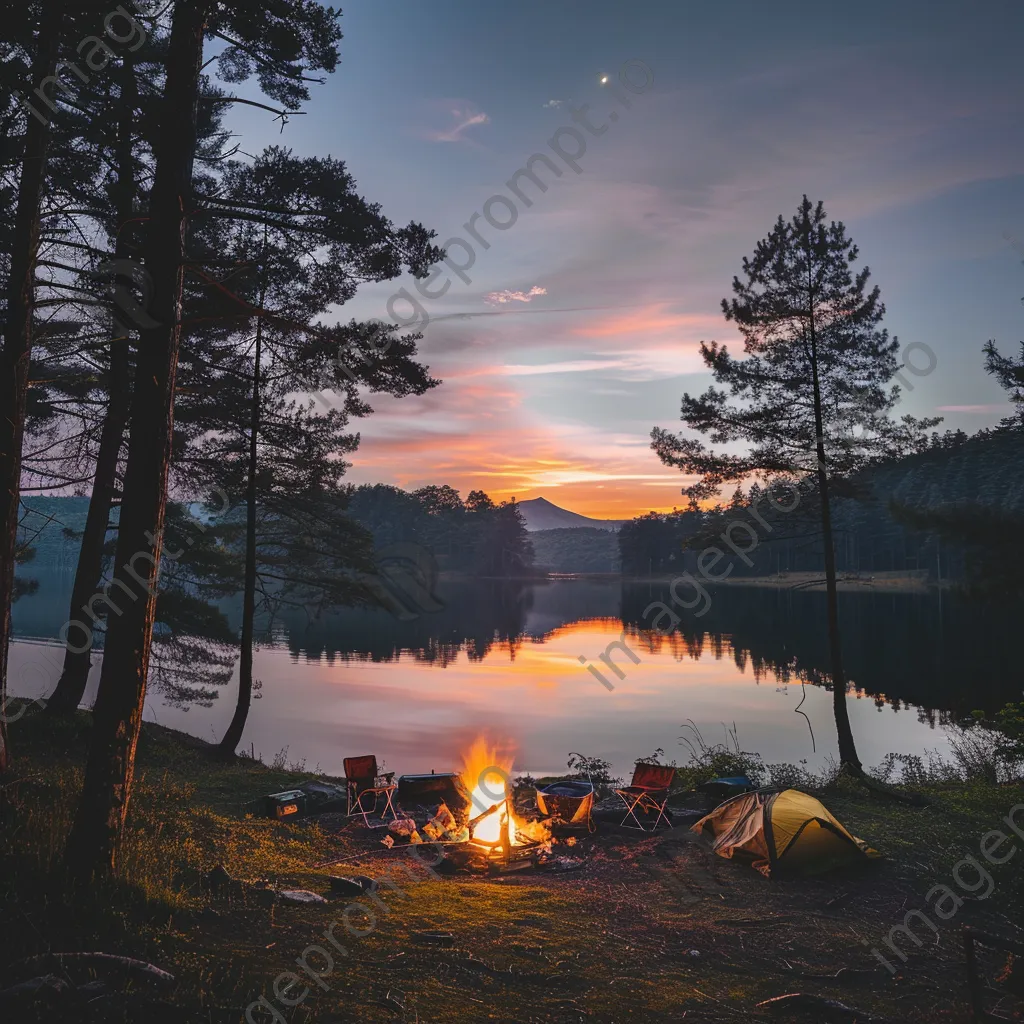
18	316
276	43
812	398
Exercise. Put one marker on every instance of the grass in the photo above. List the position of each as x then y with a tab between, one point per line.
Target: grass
610	942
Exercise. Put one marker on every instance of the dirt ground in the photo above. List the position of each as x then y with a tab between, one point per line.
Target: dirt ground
636	927
655	928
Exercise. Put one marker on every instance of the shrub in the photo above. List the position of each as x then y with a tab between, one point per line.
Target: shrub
596	769
711	761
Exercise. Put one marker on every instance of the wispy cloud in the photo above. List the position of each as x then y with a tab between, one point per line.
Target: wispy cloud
1001	407
465	117
553	103
507	295
655	319
567	366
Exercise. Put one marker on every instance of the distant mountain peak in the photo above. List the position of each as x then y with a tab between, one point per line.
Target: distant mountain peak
541	514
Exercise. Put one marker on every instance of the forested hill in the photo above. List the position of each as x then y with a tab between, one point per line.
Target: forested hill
955	472
987	469
576	549
475	536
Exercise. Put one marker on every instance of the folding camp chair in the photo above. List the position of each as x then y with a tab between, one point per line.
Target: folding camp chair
361	779
648	791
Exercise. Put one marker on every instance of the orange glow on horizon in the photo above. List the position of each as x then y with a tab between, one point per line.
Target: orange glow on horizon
623	497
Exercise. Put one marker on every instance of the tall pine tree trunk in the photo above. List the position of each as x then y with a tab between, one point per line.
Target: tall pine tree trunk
847	747
74	677
234	731
17	341
117	715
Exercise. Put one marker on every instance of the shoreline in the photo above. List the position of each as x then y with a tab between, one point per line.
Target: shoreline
912	581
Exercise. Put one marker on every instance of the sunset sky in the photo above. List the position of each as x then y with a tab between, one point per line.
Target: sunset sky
587	311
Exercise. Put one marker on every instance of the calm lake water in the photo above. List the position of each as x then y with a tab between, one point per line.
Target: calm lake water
502	658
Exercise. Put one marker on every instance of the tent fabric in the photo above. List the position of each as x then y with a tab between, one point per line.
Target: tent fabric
738	827
781	831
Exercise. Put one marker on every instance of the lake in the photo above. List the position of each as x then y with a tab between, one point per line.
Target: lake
503	658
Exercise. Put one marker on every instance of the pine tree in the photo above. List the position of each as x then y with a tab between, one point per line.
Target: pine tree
17	336
123	190
276	42
93	214
812	398
305	243
497	535
1010	374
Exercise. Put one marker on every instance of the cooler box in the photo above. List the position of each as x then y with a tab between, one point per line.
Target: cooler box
430	790
290	804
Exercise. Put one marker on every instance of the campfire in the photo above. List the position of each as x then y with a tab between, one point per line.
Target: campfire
472	815
495	830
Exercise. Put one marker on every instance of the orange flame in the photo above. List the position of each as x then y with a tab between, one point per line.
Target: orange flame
486	774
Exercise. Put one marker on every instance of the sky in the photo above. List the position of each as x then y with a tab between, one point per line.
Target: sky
579	321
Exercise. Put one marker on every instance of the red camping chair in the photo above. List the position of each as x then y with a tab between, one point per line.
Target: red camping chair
361	778
648	791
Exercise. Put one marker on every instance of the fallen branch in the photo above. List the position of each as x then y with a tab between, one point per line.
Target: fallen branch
98	962
439	938
756	922
17	782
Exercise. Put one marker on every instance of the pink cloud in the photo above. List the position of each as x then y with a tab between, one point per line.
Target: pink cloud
506	295
652	319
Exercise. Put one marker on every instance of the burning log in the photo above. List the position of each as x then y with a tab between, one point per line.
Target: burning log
473	822
495	839
506	838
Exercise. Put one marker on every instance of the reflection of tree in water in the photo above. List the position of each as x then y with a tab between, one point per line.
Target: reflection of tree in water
944	655
187	670
475	616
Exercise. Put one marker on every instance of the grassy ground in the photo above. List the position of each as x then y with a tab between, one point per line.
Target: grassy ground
645	928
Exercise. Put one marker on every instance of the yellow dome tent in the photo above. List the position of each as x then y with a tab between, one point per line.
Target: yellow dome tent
782	831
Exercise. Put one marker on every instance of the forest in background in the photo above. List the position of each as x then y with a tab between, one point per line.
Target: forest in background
476	536
949	511
889	525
